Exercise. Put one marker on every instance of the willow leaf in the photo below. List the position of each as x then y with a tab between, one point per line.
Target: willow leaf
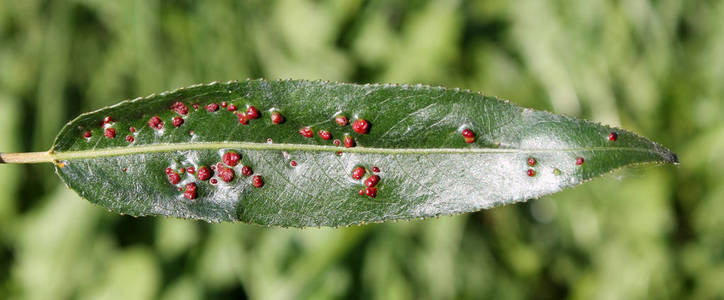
435	151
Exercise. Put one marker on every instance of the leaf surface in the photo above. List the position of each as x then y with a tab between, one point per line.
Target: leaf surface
415	139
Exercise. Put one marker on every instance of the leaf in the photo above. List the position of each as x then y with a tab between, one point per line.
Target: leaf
415	138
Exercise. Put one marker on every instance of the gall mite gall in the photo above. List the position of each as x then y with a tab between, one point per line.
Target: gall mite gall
180	108
246	171
371	191
190	194
226	174
325	135
361	126
306	132
231	107
337	142
173	177
169	171
177	121
132	129
372	180
358	172
579	161
204	173
130	139
110	133
468	135
612	136
531	172
277	117
155	122
257	181
348	141
223	104
87	134
339	153
252	113
532	161
214	181
212	107
191	170
293	163
361	192
231	158
196	106
341	120
124	169
375	169
181	170
107	120
243	119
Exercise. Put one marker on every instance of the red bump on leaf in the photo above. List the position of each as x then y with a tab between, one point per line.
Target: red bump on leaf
204	173
243	120
224	104
277	118
231	107
107	120
612	136
87	134
375	169
579	161
257	181
130	139
371	191
132	129
372	180
531	172
173	177
177	121
532	161
337	142
306	132
191	170
231	158
361	192
246	171
212	107
341	120
468	135
358	172
252	113
361	126
180	108
348	141
293	163
226	174
155	122
325	135
110	133
190	192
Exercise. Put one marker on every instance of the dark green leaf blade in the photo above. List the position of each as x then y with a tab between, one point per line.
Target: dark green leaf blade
426	167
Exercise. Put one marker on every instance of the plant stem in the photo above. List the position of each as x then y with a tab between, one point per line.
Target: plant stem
25	158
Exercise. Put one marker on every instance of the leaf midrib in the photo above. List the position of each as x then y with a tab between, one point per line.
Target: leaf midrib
120	151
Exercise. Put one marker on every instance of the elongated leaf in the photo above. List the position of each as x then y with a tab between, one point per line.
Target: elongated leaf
415	139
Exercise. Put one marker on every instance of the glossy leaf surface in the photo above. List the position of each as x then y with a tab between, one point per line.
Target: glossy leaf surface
415	139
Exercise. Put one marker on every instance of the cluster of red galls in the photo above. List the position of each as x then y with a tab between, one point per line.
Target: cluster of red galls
360	126
370	183
224	171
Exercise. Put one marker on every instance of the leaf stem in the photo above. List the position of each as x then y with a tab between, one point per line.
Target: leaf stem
26	158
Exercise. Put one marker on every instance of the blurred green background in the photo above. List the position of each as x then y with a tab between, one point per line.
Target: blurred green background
654	67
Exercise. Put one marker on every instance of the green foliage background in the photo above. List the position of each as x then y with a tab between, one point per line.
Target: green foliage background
655	67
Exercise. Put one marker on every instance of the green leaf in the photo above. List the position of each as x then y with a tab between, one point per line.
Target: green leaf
426	168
